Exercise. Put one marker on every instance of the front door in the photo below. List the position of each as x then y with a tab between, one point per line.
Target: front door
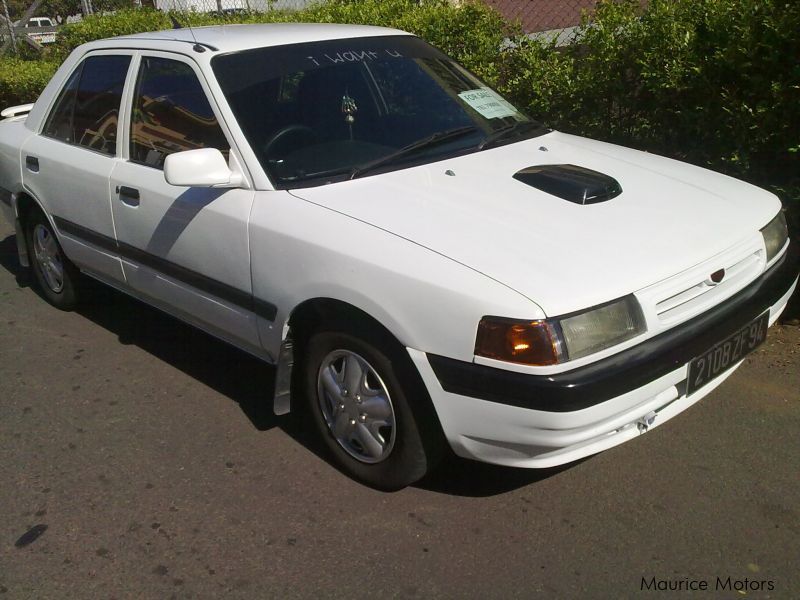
185	249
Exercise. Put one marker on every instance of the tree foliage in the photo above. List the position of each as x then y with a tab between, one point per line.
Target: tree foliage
715	82
469	31
21	81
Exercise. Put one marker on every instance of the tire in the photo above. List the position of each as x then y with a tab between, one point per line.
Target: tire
383	433
56	277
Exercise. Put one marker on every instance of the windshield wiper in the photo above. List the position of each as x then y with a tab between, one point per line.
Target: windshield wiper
432	140
504	132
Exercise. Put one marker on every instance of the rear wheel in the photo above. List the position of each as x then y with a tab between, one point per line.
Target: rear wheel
372	417
55	275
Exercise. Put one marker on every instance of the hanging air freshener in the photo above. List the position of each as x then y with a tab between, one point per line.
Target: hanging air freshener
349	108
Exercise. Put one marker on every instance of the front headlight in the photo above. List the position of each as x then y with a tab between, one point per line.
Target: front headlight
602	327
553	341
775	235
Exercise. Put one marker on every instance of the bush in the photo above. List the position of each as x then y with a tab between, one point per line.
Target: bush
715	82
96	27
470	31
22	81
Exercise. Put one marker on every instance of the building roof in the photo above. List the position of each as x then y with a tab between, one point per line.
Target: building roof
543	15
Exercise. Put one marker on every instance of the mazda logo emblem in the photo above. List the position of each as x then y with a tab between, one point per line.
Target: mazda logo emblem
716	277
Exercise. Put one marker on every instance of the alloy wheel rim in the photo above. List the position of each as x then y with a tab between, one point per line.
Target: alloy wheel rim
48	257
356	406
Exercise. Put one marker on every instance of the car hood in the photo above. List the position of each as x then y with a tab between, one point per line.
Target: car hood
561	255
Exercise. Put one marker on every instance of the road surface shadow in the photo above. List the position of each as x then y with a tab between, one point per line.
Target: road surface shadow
233	373
457	476
241	377
792	313
9	259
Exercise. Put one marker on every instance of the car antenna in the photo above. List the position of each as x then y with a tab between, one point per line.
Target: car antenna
198	47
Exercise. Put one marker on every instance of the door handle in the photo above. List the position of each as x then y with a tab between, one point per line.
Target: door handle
128	195
32	163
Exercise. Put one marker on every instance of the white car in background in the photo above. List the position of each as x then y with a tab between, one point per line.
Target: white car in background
39	22
42	37
425	264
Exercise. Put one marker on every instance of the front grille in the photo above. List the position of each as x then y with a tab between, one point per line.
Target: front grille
737	275
687	294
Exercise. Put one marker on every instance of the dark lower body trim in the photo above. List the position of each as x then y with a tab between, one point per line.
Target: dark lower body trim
87	235
628	370
216	288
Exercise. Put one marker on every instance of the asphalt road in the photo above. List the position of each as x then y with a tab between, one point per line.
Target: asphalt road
138	459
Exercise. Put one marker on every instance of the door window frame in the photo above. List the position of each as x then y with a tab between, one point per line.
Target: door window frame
126	118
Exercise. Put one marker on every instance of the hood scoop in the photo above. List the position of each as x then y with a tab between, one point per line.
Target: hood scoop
572	183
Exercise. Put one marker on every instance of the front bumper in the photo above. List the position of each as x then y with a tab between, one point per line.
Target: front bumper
523	420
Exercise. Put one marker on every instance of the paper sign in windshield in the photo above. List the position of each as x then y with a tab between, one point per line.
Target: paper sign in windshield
488	103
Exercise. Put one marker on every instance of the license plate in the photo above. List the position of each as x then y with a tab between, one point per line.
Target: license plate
719	359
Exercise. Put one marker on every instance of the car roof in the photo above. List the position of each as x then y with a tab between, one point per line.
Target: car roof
232	38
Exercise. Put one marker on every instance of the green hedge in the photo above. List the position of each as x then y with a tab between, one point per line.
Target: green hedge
123	22
21	81
715	82
470	31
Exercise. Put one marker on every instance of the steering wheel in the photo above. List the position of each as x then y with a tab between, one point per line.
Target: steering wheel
284	136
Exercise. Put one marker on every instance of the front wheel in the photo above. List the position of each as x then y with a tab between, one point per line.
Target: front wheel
55	275
371	423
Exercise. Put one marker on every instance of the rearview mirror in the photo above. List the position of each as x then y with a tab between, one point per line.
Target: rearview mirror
204	167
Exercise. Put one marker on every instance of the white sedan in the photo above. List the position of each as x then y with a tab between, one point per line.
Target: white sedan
426	265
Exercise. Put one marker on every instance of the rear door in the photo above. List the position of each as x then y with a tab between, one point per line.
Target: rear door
185	249
68	165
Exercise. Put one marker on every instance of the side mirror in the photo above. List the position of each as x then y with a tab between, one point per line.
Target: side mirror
204	167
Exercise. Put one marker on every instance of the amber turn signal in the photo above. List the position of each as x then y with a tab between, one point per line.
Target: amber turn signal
524	342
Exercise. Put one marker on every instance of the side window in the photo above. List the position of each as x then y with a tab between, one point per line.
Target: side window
171	113
87	111
59	122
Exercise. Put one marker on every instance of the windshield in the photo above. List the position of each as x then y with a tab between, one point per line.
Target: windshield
327	111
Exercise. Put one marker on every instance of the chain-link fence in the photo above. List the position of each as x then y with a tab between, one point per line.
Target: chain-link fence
543	15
